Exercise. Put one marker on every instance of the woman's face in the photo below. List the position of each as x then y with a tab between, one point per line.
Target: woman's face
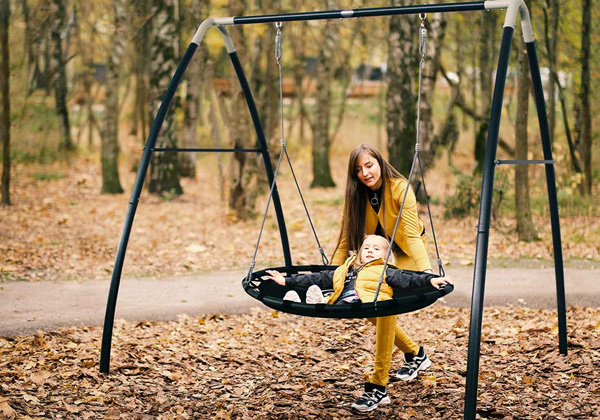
368	171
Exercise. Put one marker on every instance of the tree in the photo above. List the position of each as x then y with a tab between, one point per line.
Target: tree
486	56
525	227
110	137
60	79
164	171
400	108
585	132
242	193
193	97
5	97
435	39
141	25
321	136
551	21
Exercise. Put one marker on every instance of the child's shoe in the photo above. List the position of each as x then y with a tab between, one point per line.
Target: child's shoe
373	396
413	363
292	295
315	295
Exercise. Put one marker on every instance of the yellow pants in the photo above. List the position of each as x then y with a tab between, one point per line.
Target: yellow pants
388	333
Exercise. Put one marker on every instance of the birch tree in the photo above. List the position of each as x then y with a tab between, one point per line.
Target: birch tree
400	107
110	136
164	171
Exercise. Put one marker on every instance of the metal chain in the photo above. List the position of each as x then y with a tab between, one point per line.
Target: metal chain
423	52
278	37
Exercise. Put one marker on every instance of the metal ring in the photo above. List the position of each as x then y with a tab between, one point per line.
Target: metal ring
422	16
278	25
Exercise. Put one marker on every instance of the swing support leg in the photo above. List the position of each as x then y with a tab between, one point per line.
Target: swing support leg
559	273
111	305
485	209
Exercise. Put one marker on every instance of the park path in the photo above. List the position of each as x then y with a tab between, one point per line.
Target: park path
26	307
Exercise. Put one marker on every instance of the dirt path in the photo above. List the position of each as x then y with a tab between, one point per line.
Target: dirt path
26	307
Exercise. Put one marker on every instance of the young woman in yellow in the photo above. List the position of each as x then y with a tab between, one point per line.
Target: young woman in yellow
357	280
374	194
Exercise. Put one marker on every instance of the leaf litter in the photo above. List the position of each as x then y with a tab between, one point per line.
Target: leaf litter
270	365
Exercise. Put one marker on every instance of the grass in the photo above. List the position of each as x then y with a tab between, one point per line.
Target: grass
47	176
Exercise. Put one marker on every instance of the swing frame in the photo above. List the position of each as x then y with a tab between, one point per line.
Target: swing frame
513	8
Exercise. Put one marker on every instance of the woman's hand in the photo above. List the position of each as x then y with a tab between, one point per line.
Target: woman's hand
438	282
276	276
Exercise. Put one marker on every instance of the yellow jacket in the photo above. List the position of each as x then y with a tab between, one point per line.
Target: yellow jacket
408	237
367	280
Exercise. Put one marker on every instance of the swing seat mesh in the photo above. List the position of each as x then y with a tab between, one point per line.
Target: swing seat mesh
271	294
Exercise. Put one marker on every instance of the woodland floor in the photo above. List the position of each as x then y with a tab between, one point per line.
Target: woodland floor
267	365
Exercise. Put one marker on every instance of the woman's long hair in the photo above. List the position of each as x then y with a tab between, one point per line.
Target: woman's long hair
356	196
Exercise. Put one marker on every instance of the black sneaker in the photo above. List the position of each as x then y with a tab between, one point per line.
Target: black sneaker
371	398
413	364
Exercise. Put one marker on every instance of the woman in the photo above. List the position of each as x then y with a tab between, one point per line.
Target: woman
374	195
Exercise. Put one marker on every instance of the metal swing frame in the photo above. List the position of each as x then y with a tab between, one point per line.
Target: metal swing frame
513	8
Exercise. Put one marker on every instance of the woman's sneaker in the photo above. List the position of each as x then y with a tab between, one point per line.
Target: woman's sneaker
413	364
315	295
373	397
292	295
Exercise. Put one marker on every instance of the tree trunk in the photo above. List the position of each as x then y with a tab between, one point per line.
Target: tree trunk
525	227
584	97
193	96
110	138
435	40
401	111
244	167
164	171
486	63
60	82
141	25
321	140
213	122
265	82
5	97
551	31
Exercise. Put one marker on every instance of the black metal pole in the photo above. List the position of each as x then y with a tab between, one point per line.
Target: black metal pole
356	13
485	213
540	103
264	148
133	202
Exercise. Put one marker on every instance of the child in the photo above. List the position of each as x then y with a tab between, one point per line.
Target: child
357	280
356	286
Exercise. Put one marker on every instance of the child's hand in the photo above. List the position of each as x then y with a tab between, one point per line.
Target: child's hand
275	276
438	282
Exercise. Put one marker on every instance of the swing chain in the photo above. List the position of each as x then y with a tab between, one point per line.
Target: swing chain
278	37
423	36
278	26
423	52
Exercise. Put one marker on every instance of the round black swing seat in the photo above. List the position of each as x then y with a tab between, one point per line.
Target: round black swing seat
271	294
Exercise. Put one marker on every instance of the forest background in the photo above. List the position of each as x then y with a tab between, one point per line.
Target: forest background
84	80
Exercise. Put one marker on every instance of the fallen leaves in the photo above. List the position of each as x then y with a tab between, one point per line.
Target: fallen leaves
261	366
